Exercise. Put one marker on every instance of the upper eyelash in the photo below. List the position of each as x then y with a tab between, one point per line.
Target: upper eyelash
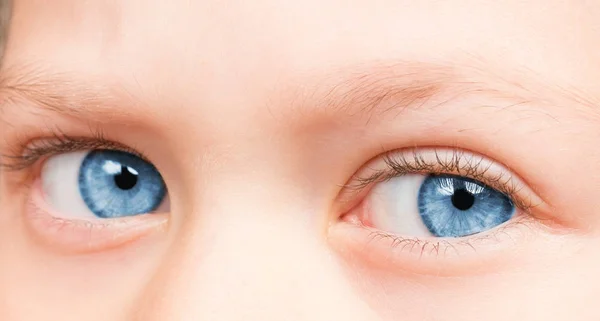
27	155
398	164
460	162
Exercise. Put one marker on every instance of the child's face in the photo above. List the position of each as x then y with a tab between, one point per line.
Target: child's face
302	160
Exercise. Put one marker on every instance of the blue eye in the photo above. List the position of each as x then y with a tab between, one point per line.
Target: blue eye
116	184
437	205
454	206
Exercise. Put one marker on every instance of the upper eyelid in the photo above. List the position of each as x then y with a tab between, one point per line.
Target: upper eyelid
27	155
459	163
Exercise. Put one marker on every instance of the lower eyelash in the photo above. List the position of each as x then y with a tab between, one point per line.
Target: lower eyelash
437	257
81	236
441	246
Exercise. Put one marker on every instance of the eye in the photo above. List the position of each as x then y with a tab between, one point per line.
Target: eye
435	193
101	184
437	205
436	211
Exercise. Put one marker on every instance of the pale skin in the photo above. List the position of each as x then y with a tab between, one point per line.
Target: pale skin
259	115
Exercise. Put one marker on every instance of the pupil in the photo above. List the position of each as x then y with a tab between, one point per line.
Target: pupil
463	199
126	179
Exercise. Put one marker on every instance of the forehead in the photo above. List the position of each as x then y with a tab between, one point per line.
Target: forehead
224	54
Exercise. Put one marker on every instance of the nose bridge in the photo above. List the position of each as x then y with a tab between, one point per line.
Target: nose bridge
251	248
253	265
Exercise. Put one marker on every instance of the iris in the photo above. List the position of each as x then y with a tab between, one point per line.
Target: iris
454	206
116	184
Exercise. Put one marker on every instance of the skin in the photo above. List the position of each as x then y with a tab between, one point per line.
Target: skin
257	113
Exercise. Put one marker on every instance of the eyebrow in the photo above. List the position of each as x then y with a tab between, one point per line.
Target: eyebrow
364	90
368	89
64	93
383	87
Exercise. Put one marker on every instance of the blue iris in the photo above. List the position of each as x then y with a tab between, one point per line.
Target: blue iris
454	206
116	184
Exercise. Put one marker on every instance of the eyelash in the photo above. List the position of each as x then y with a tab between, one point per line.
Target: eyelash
397	164
460	163
422	256
25	156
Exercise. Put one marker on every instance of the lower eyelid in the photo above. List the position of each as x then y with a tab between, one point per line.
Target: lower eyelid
81	236
483	252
